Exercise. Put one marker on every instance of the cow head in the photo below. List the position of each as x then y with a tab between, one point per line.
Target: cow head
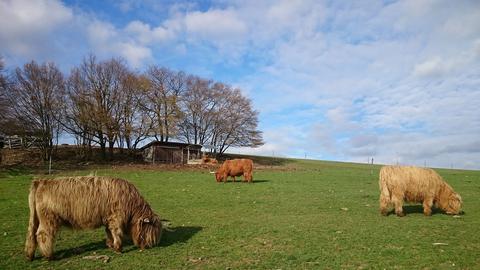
454	204
449	201
146	231
219	175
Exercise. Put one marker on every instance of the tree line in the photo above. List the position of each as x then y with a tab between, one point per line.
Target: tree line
105	104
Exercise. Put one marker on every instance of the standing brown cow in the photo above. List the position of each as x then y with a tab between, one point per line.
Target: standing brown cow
235	167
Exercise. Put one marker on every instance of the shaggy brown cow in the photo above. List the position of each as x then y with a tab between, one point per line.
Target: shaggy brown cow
235	167
88	202
413	184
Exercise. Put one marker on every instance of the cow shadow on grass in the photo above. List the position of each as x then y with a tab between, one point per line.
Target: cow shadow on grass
243	182
171	236
418	209
260	181
180	234
84	249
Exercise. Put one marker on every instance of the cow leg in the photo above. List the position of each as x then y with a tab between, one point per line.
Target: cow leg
233	179
398	202
109	240
249	178
46	232
427	206
384	204
45	240
117	234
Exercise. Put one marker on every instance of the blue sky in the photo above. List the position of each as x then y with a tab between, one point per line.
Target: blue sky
338	80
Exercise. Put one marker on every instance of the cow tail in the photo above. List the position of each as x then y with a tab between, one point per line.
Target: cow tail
385	195
31	241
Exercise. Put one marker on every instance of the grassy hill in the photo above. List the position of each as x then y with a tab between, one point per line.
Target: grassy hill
299	214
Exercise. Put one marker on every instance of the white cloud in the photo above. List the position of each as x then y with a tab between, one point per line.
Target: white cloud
27	27
101	32
279	142
215	25
145	34
322	140
431	68
48	30
107	41
397	84
134	54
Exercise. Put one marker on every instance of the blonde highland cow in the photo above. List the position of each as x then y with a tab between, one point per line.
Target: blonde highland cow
413	184
88	202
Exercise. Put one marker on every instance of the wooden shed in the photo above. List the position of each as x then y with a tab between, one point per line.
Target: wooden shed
171	152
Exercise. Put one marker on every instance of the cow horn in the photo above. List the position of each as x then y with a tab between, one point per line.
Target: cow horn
146	220
212	172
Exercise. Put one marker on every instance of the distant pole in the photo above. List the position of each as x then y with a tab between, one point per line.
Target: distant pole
50	165
371	167
425	164
305	155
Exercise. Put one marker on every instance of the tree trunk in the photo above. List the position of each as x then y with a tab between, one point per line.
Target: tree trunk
111	144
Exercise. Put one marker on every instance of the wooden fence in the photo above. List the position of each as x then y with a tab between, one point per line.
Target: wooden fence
15	142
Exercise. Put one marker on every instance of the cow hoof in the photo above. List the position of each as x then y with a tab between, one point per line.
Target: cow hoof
400	214
109	243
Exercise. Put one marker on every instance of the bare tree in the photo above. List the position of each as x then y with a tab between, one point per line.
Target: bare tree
36	96
218	116
3	92
77	116
3	79
8	124
161	99
135	124
235	122
104	103
198	105
96	94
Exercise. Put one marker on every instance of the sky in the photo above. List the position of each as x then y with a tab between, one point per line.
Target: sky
396	81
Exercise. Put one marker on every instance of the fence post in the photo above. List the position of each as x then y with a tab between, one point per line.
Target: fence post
153	155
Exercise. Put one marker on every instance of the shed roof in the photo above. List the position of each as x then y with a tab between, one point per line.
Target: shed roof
172	144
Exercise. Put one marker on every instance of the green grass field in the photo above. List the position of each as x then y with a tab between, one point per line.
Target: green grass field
300	215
